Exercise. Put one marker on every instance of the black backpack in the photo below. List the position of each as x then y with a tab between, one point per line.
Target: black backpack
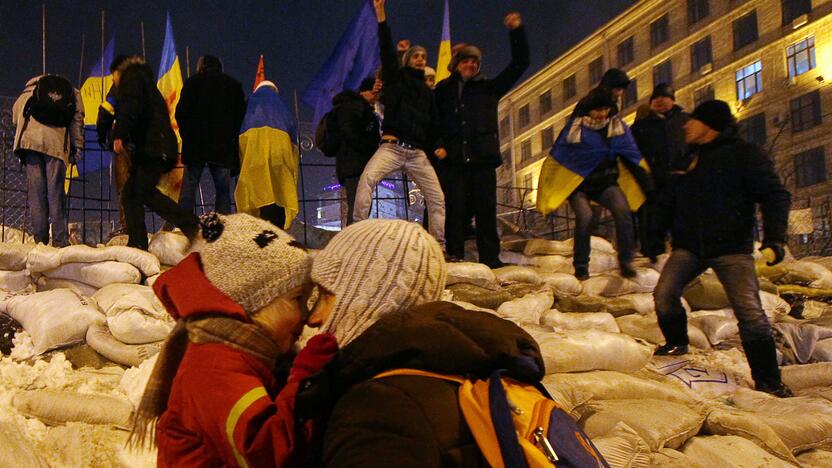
327	138
52	102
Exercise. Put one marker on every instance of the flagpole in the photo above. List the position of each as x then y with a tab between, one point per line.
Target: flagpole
43	38
300	169
81	65
144	53
103	81
187	62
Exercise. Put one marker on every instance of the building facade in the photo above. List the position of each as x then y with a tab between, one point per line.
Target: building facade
770	59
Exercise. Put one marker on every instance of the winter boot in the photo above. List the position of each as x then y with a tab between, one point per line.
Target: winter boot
762	358
582	272
675	331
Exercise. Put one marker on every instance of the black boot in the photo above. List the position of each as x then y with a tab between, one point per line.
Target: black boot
582	273
762	358
675	330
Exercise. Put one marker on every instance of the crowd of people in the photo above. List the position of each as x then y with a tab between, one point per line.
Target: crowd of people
228	387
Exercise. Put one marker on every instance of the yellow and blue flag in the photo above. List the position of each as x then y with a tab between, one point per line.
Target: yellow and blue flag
269	155
169	80
444	57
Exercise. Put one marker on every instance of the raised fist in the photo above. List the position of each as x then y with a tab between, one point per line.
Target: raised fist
512	20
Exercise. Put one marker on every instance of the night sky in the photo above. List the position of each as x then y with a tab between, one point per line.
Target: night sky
295	36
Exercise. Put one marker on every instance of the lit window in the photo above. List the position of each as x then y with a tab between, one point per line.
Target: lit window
801	57
749	80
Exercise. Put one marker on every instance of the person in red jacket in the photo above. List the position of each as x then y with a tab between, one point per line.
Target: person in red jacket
240	304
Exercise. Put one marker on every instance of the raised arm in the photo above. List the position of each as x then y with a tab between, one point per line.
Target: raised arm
519	54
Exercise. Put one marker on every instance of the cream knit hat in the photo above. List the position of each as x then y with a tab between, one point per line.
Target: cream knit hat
377	267
250	260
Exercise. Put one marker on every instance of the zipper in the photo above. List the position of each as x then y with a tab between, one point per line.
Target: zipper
540	419
545	447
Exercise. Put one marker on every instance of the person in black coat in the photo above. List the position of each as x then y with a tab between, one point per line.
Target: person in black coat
143	130
209	114
614	80
710	212
467	103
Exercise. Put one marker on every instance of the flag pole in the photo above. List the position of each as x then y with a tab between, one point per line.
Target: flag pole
144	52
81	65
187	61
43	38
103	81
300	169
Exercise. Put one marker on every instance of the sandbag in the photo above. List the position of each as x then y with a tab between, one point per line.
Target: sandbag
42	258
716	328
659	423
602	262
579	321
144	261
641	304
585	350
623	448
46	283
612	385
805	340
59	407
516	258
150	280
597	244
562	283
13	255
646	327
16	450
469	306
491	299
122	239
53	318
517	274
527	309
807	375
553	264
823	351
97	274
669	458
647	279
134	314
728	421
169	247
704	376
513	245
774	305
471	273
134	380
103	342
14	280
730	451
815	458
706	292
609	286
568	398
12	235
581	303
548	247
808	274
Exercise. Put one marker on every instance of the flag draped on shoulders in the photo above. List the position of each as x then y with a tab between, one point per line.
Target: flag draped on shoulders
444	57
269	155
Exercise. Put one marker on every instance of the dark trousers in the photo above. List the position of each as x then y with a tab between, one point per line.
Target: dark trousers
471	189
140	191
190	184
274	214
350	185
614	200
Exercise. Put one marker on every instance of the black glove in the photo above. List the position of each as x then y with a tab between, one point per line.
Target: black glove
777	248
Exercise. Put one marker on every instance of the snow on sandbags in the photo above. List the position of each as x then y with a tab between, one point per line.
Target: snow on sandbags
17	451
609	285
134	380
53	318
585	350
647	328
517	274
58	407
48	284
169	247
134	314
562	283
704	376
13	255
471	273
612	385
14	280
807	375
579	321
102	341
144	261
659	423
622	447
730	451
97	274
548	247
527	309
716	328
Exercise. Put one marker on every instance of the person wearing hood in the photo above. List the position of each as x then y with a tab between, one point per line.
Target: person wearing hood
595	159
358	131
214	397
430	77
409	129
467	103
210	112
380	279
614	80
710	211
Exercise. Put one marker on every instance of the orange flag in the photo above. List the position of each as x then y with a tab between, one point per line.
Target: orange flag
261	73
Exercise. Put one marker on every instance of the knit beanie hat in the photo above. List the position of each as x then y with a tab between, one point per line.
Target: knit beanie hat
598	98
377	267
409	53
715	114
250	260
663	90
429	71
465	52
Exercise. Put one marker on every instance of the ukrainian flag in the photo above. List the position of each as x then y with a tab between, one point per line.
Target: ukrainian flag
170	81
570	163
444	47
269	155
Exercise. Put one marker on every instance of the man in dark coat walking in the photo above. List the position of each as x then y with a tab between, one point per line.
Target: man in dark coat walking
710	211
209	113
144	131
467	103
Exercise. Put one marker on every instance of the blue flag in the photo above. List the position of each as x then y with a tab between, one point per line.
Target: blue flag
355	57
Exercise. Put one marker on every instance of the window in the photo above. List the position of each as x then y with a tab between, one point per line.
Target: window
596	71
545	102
697	10
547	138
753	129
525	151
700	95
805	111
505	128
663	73
745	30
630	94
523	116
569	88
506	155
626	51
794	8
528	181
810	167
801	56
659	32
700	54
749	80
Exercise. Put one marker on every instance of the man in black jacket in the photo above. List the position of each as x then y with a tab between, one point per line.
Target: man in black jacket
358	133
143	130
467	103
209	113
710	211
615	81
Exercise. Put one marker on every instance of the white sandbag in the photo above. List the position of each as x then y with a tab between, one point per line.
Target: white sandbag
58	407
724	420
602	262
134	314
805	340
562	283
516	258
647	279
14	235
517	274
548	247
144	261
646	327
730	451
553	264
612	385
609	285
568	398
641	303
659	423
579	321
53	318
122	239
716	328
14	280
97	274
46	283
669	458
169	247
774	305
527	309
16	450
42	258
100	339
807	375
661	261
815	459
706	293
823	351
622	447
810	274
13	255
597	244
471	273
704	376
134	380
585	350
150	280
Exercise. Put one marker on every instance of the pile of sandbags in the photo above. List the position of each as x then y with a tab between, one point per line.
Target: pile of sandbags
170	247
13	274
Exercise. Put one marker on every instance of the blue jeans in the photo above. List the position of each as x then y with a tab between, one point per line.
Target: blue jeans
614	200
45	180
190	183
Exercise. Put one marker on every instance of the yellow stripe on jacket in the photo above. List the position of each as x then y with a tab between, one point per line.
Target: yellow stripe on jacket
234	416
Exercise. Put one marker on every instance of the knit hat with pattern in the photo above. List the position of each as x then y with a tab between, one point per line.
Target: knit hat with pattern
250	260
377	267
